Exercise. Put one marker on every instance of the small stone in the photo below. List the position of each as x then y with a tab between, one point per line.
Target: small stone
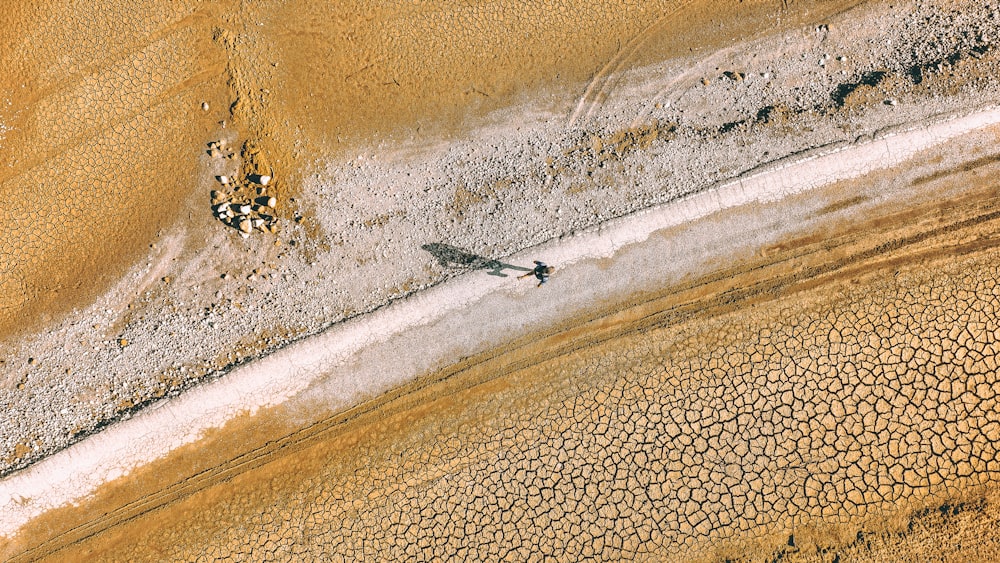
204	106
246	226
167	279
224	180
224	276
257	223
244	235
122	342
267	201
244	209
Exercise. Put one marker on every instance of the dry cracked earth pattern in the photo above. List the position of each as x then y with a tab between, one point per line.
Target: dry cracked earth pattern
832	399
783	410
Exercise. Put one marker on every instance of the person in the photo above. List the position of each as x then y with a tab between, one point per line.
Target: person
541	271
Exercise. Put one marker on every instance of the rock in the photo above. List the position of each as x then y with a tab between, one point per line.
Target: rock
257	223
204	106
224	180
244	209
245	225
261	179
122	342
266	201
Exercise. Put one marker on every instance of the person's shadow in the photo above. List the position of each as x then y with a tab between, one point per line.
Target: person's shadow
453	257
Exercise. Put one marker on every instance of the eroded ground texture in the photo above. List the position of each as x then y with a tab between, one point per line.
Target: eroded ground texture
664	101
788	407
821	401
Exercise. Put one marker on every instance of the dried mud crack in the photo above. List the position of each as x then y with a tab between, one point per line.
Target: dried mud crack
809	377
797	397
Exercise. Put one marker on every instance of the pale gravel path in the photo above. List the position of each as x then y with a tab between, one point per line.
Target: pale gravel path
331	366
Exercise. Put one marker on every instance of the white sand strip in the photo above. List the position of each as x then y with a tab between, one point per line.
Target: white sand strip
336	365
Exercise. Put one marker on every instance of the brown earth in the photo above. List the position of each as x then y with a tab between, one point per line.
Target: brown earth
103	111
872	339
100	106
832	399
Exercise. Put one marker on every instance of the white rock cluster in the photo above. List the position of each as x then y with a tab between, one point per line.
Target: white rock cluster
246	212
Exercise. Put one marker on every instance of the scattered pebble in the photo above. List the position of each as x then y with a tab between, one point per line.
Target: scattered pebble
204	106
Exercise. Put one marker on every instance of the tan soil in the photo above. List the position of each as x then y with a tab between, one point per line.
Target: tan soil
750	413
102	106
391	128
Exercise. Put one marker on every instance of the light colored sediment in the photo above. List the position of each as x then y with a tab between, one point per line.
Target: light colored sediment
654	124
769	408
500	181
77	471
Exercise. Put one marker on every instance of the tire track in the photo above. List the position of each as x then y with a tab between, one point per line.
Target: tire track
606	78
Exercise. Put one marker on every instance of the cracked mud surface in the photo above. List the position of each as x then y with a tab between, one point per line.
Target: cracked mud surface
688	100
771	408
819	396
679	106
